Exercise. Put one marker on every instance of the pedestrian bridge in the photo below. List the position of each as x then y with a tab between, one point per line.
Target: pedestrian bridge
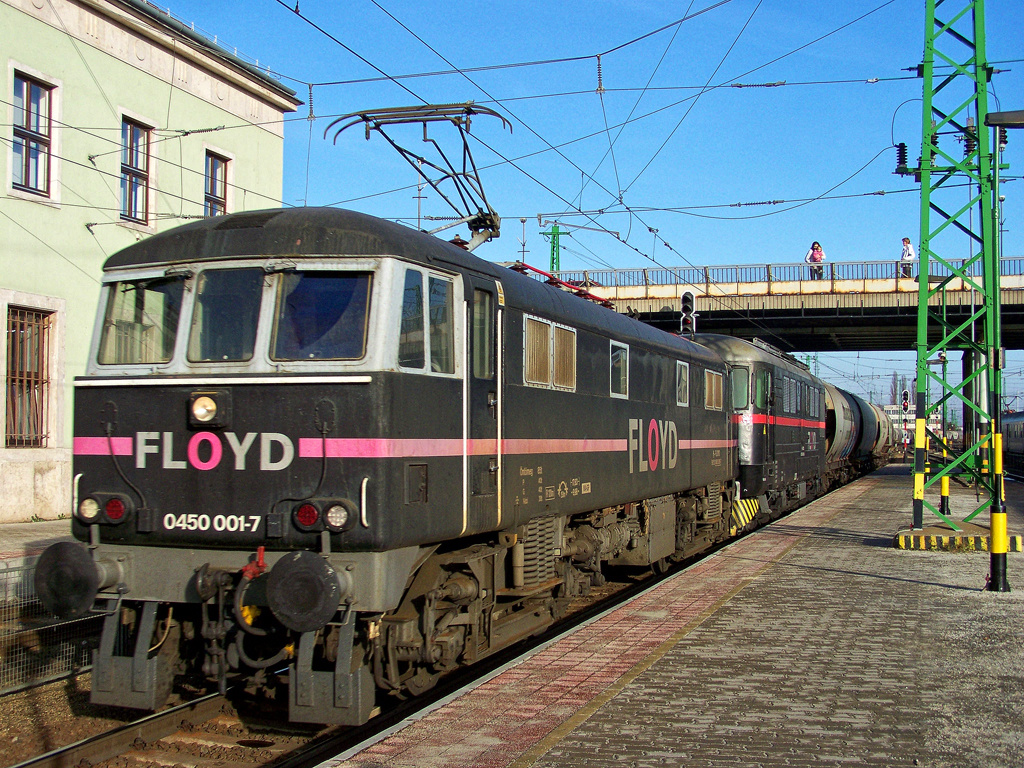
867	305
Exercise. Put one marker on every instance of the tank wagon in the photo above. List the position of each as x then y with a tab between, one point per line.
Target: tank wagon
316	439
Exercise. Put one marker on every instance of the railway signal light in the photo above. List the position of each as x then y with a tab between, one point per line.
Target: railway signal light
906	401
687	320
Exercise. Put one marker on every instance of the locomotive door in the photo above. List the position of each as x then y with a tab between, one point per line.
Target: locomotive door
483	402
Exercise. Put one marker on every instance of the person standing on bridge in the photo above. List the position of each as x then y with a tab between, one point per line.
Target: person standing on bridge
815	256
908	258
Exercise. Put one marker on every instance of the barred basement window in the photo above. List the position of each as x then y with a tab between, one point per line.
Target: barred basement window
28	377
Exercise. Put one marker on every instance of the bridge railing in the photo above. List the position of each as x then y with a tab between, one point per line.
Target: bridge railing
769	273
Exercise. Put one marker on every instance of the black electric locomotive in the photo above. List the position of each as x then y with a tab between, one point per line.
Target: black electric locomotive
313	438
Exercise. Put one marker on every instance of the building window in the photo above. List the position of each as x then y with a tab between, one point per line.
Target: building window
32	134
28	377
216	200
134	172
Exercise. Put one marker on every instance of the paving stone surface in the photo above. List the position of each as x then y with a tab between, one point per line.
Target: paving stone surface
811	643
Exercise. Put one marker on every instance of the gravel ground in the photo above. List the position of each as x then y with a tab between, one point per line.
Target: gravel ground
36	720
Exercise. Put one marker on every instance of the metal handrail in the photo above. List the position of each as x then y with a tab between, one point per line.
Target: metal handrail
769	273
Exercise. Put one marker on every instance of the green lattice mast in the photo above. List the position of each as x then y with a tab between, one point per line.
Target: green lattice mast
955	154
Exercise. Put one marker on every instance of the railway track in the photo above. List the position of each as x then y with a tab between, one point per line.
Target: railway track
233	731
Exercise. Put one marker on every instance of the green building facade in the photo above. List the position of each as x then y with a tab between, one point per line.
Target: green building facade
119	122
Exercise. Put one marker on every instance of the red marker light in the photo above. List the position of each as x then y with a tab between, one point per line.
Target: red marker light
114	509
307	515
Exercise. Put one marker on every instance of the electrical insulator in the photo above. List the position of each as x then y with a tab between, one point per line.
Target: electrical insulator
901	157
970	144
687	320
1002	138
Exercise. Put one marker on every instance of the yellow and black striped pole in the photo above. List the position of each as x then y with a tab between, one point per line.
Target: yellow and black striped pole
1000	540
920	459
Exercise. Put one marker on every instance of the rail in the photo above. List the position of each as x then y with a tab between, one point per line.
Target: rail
834	271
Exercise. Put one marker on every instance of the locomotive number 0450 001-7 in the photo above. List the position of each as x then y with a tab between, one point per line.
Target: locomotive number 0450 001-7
219	523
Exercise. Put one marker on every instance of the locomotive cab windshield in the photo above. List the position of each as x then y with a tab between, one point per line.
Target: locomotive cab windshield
310	314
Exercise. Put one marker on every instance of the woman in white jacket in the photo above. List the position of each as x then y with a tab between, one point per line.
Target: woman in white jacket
815	256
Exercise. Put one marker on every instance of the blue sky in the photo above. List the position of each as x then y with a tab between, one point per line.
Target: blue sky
671	137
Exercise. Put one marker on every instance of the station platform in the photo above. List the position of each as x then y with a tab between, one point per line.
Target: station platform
811	642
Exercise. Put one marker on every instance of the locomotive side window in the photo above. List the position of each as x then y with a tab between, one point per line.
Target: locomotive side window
619	370
682	383
411	340
740	388
224	319
322	316
537	352
428	323
712	390
549	354
442	326
761	389
565	358
141	321
483	334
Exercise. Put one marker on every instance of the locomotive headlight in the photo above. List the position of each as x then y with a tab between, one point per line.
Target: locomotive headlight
204	409
89	509
337	516
210	409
